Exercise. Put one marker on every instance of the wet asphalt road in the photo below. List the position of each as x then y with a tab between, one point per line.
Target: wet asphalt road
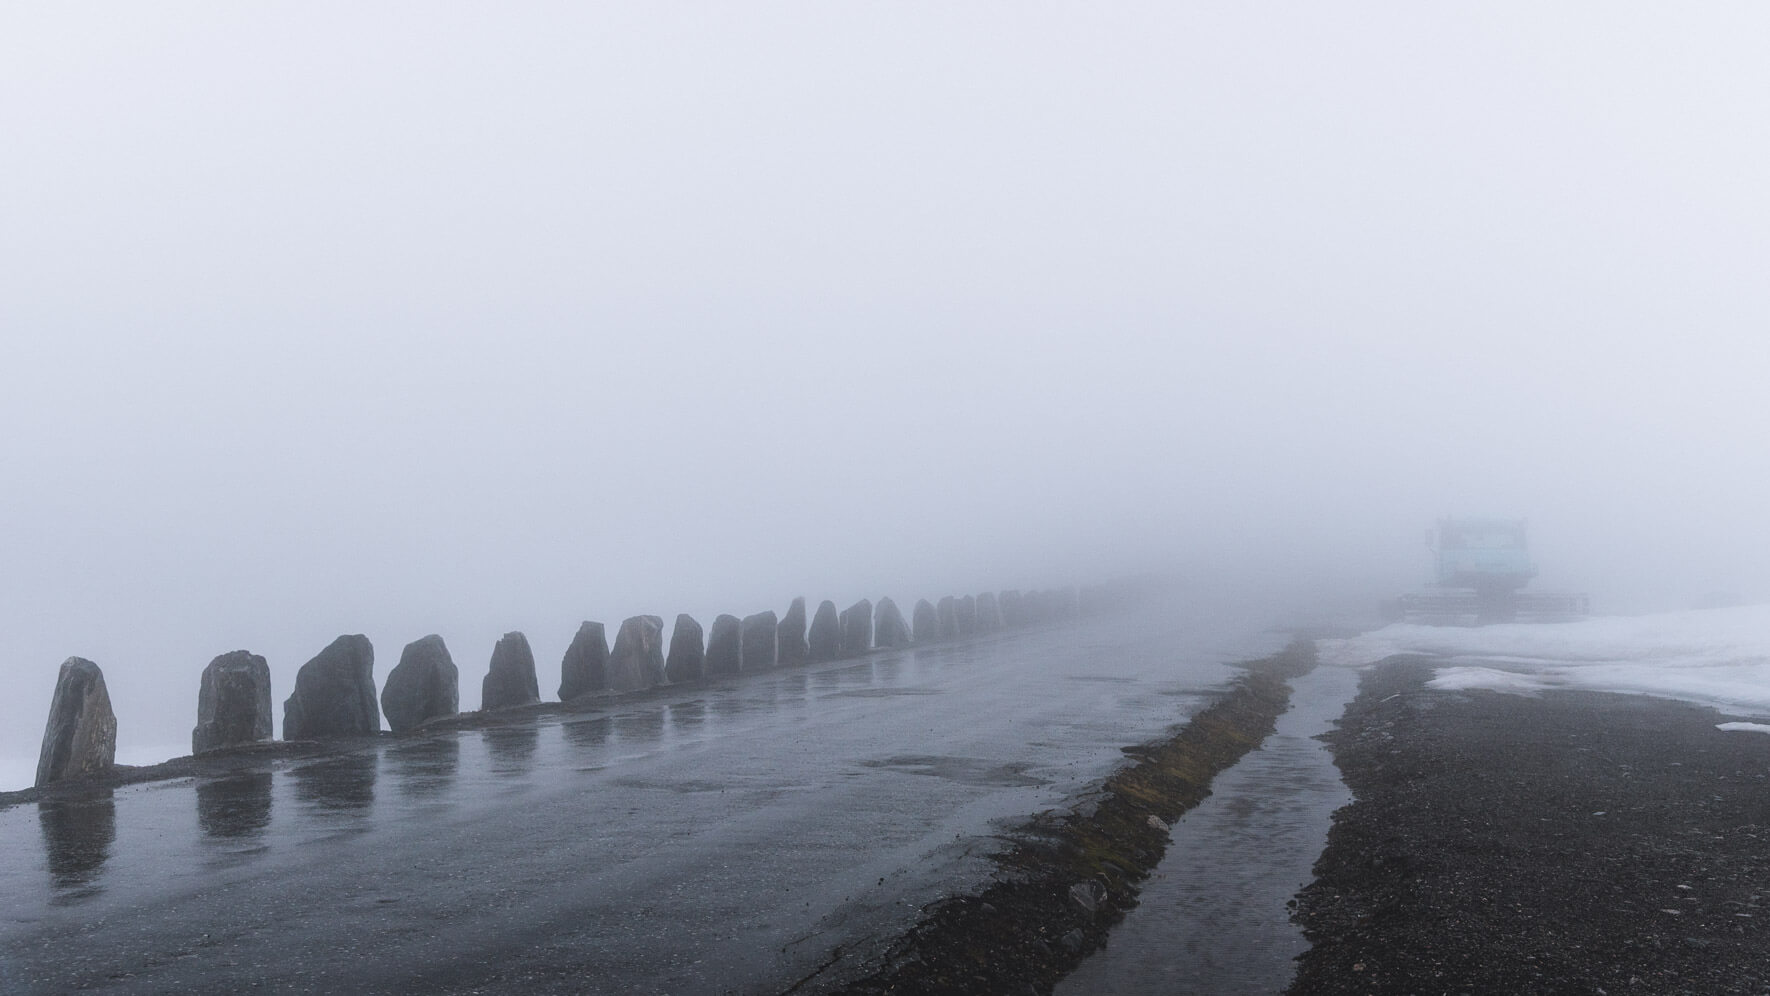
728	838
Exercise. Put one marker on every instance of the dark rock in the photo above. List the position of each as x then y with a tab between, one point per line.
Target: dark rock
637	662
825	643
424	684
511	680
1088	895
725	647
81	736
890	630
965	615
758	650
989	615
233	702
927	623
688	659
584	669
948	614
857	628
334	693
790	645
1009	603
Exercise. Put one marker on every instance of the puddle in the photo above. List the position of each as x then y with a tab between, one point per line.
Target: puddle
964	770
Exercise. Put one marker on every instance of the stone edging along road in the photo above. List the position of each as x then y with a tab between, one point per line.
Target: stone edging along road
1071	876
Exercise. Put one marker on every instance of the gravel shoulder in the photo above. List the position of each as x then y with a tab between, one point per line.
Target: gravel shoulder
1574	842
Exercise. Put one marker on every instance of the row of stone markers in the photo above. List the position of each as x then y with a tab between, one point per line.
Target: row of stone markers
335	692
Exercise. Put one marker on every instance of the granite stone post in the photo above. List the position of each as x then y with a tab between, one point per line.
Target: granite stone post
335	693
724	647
80	738
424	684
511	679
688	657
584	669
233	702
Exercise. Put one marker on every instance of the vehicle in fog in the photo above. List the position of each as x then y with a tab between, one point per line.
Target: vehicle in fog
1482	566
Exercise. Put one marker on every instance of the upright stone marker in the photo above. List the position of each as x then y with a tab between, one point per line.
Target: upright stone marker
989	616
1011	608
857	628
790	646
424	684
585	667
967	615
948	613
687	660
637	662
825	643
81	736
334	693
511	680
927	623
891	630
724	647
233	702
758	641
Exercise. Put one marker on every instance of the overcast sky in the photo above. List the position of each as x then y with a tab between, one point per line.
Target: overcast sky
320	318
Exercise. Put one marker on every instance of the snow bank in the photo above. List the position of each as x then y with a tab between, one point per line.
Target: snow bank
1715	657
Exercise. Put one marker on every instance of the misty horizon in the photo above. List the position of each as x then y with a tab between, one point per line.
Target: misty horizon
327	320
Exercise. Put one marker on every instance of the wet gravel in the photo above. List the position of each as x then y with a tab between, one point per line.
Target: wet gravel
1576	843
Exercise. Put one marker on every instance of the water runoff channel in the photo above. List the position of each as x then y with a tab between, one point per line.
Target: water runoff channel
724	838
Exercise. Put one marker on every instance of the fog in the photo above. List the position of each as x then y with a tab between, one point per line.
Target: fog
321	318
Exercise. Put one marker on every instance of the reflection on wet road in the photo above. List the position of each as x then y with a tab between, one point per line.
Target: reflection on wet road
720	838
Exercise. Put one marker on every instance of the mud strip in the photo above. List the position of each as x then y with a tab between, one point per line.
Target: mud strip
1070	876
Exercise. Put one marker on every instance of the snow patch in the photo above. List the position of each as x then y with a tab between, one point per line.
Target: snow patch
1714	657
1459	679
1744	727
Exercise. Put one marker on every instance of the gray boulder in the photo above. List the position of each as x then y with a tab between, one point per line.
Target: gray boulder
424	684
857	628
724	647
927	623
687	660
511	680
948	614
825	643
790	646
989	616
890	630
81	736
758	641
233	702
585	666
1009	603
967	615
334	693
637	662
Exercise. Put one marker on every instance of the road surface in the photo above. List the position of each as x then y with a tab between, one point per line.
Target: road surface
735	837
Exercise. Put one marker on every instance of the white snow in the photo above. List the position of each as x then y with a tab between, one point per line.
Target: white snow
1715	657
1743	727
1459	678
